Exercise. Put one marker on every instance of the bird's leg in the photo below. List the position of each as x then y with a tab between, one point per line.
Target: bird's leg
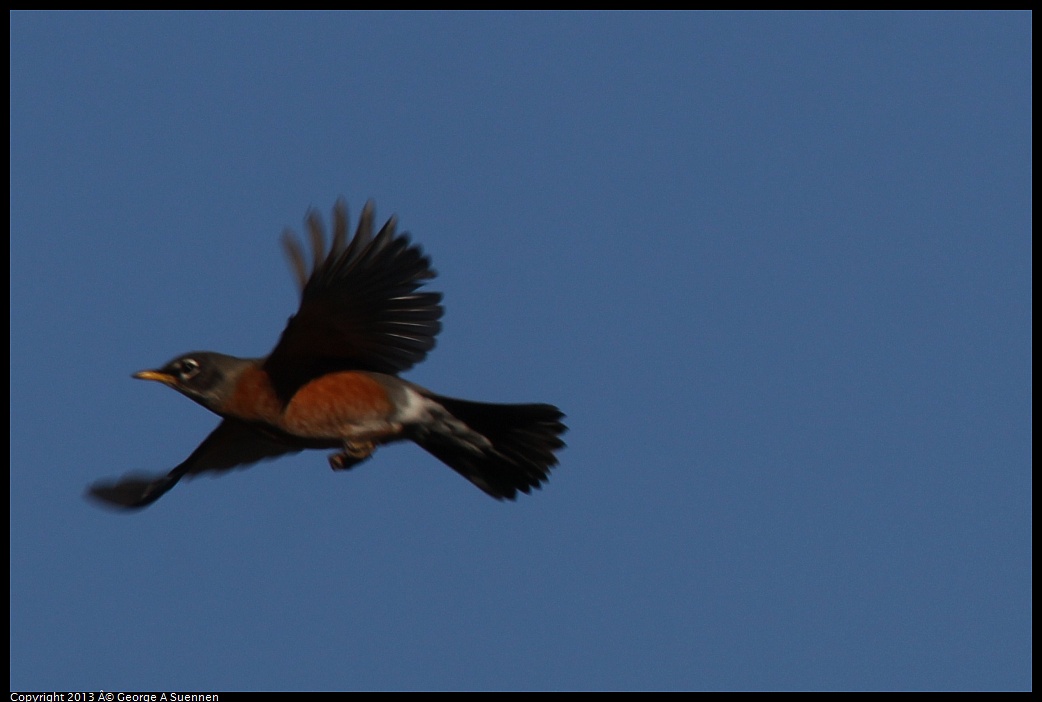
354	453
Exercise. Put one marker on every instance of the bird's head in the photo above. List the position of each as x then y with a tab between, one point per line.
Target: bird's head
204	376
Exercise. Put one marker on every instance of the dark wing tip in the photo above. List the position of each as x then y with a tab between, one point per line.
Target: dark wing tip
343	253
131	491
295	254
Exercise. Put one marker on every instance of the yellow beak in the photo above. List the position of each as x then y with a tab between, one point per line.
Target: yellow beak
164	378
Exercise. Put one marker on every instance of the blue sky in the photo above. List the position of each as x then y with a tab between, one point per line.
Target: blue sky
776	269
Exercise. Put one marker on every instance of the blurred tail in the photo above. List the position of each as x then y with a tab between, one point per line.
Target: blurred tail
499	448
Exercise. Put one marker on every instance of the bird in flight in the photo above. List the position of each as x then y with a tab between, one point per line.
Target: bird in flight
331	382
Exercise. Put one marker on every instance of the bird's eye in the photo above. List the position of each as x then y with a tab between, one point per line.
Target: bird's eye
188	368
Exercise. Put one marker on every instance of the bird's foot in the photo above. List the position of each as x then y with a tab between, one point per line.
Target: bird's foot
354	453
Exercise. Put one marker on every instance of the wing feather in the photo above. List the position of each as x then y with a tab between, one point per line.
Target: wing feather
360	307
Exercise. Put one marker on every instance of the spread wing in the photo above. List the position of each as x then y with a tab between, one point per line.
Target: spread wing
231	445
359	307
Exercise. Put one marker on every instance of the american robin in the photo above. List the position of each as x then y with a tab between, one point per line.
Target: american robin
331	382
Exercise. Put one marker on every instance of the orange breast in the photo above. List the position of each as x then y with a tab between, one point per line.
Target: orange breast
326	406
254	399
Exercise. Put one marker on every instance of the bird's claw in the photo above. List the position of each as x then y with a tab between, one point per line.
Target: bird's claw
353	454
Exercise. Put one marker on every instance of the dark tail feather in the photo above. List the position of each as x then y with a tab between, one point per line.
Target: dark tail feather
132	491
515	449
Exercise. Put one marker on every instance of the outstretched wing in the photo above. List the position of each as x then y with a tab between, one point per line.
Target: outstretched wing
230	445
359	307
